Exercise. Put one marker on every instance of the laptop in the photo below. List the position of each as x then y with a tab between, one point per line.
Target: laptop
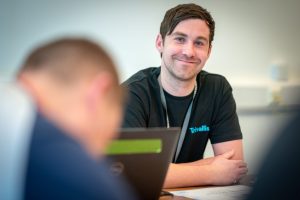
143	156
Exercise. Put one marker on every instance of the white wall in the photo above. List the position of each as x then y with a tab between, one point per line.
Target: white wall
250	36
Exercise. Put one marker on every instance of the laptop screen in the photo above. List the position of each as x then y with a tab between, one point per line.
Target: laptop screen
143	157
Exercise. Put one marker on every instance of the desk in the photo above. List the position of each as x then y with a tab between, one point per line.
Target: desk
213	192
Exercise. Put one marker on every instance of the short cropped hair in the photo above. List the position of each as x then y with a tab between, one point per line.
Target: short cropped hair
68	59
183	12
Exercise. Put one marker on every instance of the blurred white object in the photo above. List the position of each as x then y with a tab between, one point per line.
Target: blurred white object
16	121
279	72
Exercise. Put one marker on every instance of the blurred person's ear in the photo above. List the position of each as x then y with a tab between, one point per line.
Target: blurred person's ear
24	80
28	81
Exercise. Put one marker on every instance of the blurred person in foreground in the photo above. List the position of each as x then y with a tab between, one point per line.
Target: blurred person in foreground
279	174
180	94
75	88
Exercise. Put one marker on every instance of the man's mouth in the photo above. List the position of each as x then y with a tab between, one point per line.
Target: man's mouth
188	61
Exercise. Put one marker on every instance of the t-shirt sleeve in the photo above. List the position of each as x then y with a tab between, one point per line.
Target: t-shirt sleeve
135	112
225	125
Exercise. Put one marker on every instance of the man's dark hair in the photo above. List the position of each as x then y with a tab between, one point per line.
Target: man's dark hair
183	12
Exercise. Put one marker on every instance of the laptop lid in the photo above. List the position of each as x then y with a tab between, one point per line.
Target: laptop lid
143	156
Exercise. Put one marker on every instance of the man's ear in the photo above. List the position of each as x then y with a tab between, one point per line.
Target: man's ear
98	89
159	43
28	80
209	51
23	78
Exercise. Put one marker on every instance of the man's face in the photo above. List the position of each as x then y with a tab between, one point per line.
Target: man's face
186	49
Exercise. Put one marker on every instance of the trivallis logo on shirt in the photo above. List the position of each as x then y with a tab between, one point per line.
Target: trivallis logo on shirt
203	128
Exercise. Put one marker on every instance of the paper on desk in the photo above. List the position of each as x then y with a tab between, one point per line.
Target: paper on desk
234	192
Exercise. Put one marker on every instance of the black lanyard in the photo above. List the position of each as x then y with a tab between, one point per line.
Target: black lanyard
186	118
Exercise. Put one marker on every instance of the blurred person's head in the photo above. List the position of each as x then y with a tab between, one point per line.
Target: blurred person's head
75	84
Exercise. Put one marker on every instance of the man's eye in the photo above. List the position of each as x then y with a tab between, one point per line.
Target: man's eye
199	43
180	39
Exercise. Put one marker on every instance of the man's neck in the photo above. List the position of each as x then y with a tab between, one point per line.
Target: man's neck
176	87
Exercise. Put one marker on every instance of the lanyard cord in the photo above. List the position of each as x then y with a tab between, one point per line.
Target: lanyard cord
186	118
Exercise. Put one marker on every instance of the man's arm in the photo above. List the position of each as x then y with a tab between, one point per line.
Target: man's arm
223	169
222	148
236	145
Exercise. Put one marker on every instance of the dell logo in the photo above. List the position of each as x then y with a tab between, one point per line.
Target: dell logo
117	168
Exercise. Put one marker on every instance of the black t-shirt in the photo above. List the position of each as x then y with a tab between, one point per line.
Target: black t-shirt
213	113
177	108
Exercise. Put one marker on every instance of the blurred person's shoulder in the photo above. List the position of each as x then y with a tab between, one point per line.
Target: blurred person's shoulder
279	174
61	168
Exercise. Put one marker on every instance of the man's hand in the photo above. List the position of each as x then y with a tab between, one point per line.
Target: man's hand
225	171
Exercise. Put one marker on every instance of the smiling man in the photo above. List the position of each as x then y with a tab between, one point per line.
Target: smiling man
180	94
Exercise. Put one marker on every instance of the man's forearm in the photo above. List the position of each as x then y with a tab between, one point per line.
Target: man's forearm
219	170
187	174
204	161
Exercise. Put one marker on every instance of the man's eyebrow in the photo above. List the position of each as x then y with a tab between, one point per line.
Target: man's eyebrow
185	35
179	34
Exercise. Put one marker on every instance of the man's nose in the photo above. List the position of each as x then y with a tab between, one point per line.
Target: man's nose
189	50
